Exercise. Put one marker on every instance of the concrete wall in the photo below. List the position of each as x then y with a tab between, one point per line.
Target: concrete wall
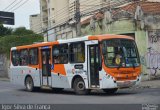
149	46
153	53
115	27
4	64
142	44
59	11
44	14
35	23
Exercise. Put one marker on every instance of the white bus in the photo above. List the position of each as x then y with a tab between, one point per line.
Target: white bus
106	62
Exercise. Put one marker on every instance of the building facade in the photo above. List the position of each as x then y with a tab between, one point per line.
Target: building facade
59	17
53	13
35	23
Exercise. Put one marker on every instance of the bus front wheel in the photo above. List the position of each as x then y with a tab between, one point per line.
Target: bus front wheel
110	91
29	84
79	87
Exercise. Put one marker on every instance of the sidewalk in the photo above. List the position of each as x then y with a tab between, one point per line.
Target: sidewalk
4	79
150	84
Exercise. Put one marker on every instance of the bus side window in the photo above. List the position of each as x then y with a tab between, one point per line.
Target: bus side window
33	56
23	57
60	54
77	52
15	57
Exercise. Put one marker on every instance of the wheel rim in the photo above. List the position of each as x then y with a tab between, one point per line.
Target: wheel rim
29	84
80	86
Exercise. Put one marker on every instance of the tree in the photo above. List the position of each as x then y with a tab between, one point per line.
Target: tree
22	31
16	37
13	40
5	30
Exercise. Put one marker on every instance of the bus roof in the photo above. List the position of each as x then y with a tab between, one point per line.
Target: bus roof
85	38
42	44
96	37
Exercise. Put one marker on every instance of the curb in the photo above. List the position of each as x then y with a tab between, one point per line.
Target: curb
5	79
150	84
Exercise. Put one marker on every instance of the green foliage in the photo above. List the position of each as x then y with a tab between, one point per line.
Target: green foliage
5	30
17	37
22	31
13	40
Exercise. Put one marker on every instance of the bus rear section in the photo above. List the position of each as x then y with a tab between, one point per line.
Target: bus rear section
83	64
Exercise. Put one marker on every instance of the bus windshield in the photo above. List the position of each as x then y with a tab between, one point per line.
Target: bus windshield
120	53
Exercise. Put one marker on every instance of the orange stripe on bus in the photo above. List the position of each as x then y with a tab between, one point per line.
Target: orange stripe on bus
108	36
37	45
59	68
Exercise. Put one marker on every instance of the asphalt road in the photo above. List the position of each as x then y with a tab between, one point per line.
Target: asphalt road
11	94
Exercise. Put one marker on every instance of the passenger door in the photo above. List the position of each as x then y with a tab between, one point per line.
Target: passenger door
93	62
46	67
94	65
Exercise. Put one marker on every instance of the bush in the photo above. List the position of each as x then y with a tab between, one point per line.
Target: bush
5	30
22	31
13	40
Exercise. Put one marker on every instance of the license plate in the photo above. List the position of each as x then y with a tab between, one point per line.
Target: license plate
127	82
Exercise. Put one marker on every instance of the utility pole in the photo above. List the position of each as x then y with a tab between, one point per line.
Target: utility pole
78	18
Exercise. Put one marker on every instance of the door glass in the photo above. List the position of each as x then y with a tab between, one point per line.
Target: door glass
94	59
46	63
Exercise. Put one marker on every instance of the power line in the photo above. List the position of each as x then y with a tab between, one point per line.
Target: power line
20	5
14	5
9	5
61	12
62	19
99	7
91	11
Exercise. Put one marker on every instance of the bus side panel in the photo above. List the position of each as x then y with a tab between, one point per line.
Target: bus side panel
106	82
72	72
65	81
19	74
60	80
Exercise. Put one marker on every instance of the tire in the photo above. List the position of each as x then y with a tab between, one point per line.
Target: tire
29	84
79	87
57	90
110	91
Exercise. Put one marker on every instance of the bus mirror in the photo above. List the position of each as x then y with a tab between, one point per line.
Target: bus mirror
55	52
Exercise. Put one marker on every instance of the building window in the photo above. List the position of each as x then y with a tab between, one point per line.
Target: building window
15	57
33	56
23	57
60	54
77	52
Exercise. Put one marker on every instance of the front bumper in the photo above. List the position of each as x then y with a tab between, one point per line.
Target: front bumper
129	83
110	82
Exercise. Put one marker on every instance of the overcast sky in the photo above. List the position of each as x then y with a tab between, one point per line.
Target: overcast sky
22	13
